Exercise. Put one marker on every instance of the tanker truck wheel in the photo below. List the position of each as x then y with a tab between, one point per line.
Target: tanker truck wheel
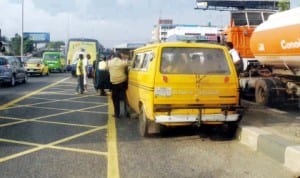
263	92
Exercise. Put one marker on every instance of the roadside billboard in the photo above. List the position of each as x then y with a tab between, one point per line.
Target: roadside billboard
38	37
76	45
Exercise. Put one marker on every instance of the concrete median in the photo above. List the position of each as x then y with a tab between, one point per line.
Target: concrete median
280	149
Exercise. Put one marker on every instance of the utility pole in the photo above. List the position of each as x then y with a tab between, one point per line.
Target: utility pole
22	50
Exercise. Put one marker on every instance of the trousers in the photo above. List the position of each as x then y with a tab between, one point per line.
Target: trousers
118	94
79	87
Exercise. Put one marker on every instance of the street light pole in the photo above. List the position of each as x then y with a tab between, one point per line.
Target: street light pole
22	50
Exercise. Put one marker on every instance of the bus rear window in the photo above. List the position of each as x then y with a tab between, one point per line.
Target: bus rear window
193	61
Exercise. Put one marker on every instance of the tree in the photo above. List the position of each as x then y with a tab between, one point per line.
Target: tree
28	45
55	45
4	38
283	5
16	45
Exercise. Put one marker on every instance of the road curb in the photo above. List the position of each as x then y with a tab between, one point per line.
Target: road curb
274	146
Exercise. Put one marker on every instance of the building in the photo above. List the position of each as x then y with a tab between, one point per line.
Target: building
203	33
166	30
160	30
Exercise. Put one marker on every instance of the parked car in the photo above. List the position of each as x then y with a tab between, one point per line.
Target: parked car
37	66
55	61
12	70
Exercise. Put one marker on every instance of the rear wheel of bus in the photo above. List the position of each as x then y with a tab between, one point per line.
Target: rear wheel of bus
143	123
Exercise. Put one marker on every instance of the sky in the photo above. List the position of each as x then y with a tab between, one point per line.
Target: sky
112	22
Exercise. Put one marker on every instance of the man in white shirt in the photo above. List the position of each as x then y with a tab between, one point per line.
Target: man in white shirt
235	57
85	74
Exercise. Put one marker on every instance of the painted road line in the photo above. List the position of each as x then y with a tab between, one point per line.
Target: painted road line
4	106
53	101
65	124
60	109
55	147
41	147
112	155
11	118
99	153
19	142
46	116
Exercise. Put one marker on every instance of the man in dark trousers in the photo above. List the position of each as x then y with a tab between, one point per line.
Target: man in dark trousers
79	74
118	78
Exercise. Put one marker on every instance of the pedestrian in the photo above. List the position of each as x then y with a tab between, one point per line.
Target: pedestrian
237	60
79	74
118	78
85	73
101	79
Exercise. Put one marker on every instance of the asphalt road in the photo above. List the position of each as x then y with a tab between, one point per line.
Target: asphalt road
48	131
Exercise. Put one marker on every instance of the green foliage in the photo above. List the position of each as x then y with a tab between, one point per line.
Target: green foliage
28	45
55	45
283	5
15	43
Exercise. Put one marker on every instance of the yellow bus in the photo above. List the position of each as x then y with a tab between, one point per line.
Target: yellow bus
85	45
89	46
182	83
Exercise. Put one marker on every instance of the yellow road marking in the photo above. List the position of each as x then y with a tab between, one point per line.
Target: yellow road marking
41	117
53	101
112	155
41	147
4	106
19	142
58	147
11	118
79	150
59	109
66	124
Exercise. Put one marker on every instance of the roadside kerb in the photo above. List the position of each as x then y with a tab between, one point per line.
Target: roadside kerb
274	146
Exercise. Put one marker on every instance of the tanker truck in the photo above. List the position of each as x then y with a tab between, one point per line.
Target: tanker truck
272	78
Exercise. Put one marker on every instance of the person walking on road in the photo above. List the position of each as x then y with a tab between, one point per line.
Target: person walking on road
118	78
85	73
80	73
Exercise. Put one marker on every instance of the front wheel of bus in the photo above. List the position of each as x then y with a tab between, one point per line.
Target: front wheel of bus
143	123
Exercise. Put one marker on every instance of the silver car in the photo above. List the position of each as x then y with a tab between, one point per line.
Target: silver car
12	70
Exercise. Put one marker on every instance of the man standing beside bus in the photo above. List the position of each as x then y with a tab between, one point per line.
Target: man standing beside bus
237	60
118	78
